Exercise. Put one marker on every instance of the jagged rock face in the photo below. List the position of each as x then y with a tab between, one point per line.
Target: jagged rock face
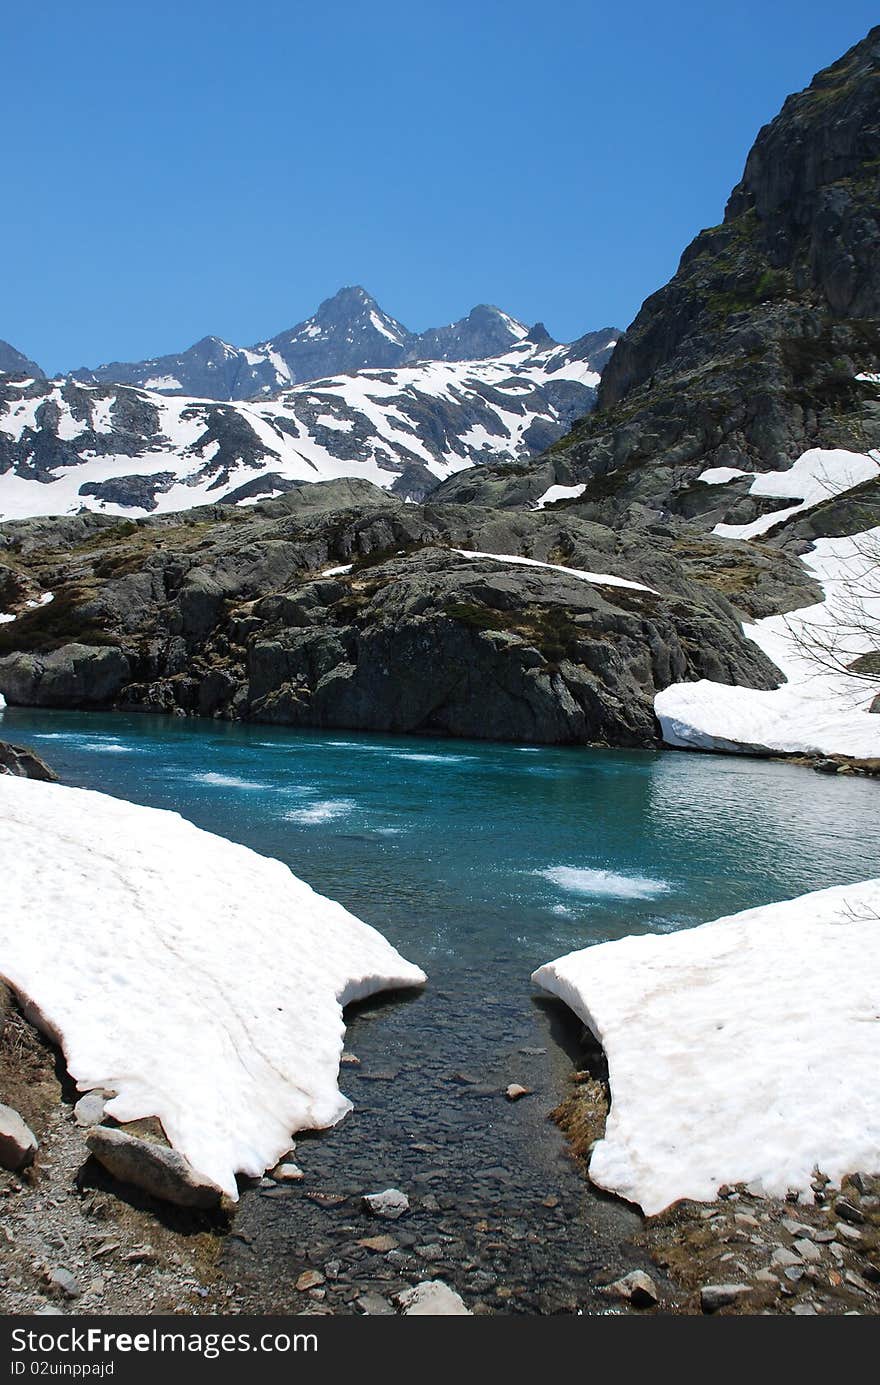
801	230
65	444
14	362
349	332
226	613
748	357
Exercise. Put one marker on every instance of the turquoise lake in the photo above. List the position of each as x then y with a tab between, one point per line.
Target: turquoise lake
480	862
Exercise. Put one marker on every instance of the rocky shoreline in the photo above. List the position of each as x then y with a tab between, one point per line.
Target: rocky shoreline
76	1241
743	1253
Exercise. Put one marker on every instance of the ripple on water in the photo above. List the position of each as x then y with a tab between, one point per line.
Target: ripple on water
325	811
426	759
604	883
229	781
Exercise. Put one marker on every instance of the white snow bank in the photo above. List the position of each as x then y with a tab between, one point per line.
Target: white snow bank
816	476
600	579
744	1050
201	982
818	710
720	475
560	493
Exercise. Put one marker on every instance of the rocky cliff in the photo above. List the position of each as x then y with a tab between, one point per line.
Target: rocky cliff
750	354
340	606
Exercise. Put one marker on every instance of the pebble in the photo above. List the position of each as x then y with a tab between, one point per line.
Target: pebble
849	1211
375	1305
516	1090
849	1233
380	1244
287	1173
782	1257
391	1203
65	1283
154	1168
714	1296
106	1248
350	1060
796	1228
432	1251
636	1288
808	1251
432	1298
309	1279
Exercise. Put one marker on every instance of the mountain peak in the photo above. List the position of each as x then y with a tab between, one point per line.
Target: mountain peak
351	298
349	331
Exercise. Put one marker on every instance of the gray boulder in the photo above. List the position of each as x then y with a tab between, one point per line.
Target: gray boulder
154	1168
24	763
18	1143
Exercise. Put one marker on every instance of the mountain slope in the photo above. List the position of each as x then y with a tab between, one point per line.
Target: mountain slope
348	332
752	353
15	362
66	444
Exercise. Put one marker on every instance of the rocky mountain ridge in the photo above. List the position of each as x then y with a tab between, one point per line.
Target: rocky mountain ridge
349	332
65	445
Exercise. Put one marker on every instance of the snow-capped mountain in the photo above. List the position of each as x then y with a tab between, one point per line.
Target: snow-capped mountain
65	444
348	332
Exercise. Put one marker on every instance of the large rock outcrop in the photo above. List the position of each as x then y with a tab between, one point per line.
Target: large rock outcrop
339	606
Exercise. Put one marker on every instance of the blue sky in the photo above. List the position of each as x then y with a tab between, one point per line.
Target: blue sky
175	170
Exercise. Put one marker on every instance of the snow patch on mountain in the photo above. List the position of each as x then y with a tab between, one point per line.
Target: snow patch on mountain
599	579
65	444
823	706
817	475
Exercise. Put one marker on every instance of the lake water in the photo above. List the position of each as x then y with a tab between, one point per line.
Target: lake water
480	862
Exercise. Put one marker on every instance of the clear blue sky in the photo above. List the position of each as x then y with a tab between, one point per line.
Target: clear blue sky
208	166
